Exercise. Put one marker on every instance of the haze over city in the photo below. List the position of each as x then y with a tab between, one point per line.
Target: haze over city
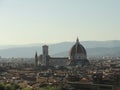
59	45
53	21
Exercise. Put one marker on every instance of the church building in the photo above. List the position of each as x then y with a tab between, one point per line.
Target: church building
77	57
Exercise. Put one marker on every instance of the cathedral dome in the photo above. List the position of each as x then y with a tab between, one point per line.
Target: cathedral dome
77	49
78	55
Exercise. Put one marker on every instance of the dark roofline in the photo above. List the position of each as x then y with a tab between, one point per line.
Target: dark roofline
58	57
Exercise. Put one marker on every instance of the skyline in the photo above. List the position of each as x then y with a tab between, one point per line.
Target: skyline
25	22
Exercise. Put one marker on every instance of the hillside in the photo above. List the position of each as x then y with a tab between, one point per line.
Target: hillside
94	48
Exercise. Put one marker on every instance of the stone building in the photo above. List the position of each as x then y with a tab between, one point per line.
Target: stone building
77	57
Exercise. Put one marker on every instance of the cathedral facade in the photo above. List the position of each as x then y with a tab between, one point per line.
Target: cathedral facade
77	57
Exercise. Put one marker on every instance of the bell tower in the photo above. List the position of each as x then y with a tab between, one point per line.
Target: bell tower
45	50
45	55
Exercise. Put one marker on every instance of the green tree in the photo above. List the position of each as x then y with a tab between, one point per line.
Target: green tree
26	88
8	87
2	86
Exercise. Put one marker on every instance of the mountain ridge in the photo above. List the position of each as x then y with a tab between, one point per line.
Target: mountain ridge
94	48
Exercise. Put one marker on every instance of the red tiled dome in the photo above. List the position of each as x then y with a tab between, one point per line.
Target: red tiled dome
77	49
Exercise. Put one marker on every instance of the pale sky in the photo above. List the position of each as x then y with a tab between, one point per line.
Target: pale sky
53	21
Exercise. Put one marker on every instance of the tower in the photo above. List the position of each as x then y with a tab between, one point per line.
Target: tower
45	50
45	55
36	60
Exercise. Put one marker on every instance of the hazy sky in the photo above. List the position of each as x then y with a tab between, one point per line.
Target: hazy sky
52	21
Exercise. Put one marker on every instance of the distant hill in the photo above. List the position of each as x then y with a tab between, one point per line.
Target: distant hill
99	51
94	48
